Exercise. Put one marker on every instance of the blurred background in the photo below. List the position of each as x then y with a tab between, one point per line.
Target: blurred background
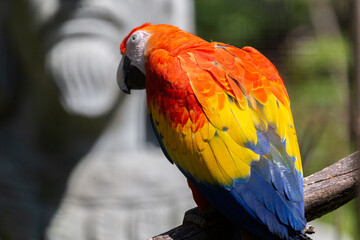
78	159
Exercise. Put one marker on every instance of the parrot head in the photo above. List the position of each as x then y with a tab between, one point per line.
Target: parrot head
131	70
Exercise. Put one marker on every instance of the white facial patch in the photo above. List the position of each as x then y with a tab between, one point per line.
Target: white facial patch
135	49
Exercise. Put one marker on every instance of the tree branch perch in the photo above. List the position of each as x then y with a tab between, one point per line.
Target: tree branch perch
324	191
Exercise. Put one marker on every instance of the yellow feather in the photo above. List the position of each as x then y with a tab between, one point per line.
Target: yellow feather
186	135
244	154
199	141
243	169
292	147
204	171
260	124
223	159
257	118
242	128
224	112
207	132
213	167
286	131
283	121
270	112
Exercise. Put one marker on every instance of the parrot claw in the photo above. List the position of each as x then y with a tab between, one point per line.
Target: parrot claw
309	229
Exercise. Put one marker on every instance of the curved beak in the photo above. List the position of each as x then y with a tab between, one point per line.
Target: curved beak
121	74
129	77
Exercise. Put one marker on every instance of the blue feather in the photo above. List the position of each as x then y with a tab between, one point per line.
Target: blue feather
254	204
262	146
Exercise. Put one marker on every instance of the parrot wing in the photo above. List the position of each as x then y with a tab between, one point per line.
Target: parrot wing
223	117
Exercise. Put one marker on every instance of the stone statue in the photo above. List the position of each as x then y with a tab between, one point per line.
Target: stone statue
79	160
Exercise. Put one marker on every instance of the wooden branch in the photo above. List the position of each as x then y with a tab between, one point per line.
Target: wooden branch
324	192
331	187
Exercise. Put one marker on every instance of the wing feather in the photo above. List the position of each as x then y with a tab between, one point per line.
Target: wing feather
227	124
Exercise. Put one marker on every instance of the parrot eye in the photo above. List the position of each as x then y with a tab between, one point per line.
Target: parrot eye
134	38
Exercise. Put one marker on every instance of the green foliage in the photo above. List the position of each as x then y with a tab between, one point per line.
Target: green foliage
319	58
248	22
319	90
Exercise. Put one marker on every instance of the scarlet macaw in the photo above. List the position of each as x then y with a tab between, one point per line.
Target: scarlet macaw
222	115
